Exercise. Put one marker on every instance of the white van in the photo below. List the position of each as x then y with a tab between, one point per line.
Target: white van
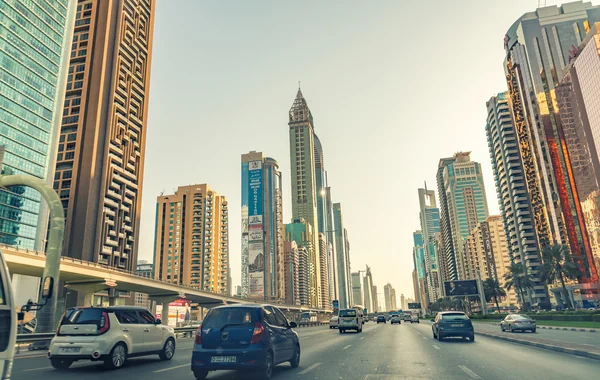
8	322
350	319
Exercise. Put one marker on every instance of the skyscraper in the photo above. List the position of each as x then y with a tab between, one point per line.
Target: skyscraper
368	291
537	46
463	205
192	239
403	302
394	302
100	159
324	274
262	228
429	215
331	246
579	108
292	257
519	197
420	269
342	265
357	289
301	232
389	295
304	184
32	76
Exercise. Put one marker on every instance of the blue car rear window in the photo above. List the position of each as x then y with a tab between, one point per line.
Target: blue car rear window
217	318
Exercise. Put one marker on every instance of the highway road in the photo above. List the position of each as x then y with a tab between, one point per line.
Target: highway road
380	352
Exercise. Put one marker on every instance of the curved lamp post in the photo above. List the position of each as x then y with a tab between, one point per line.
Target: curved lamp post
45	318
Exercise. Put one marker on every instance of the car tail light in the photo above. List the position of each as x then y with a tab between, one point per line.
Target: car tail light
517	322
104	323
258	333
533	321
198	340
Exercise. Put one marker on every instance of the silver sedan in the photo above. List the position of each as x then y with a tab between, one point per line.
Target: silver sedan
333	322
518	322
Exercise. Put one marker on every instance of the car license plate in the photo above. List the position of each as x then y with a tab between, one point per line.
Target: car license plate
457	325
223	359
70	349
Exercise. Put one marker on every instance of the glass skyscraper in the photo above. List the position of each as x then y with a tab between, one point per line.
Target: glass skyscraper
34	43
429	215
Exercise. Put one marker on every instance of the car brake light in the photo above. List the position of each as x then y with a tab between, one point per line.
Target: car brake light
516	322
258	333
533	321
199	336
104	323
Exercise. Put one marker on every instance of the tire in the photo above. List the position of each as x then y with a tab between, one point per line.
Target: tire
510	329
117	357
266	372
168	350
200	374
61	363
501	328
295	362
533	331
434	336
472	339
341	331
439	337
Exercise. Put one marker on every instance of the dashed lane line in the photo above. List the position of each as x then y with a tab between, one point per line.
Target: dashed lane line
347	347
436	347
171	368
309	369
471	374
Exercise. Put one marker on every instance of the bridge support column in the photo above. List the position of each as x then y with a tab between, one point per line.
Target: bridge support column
164	300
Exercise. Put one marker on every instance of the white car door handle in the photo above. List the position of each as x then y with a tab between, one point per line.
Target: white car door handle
126	330
146	330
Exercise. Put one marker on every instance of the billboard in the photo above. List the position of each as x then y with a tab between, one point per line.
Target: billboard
461	288
178	312
257	284
335	304
255	221
414	305
256	188
488	249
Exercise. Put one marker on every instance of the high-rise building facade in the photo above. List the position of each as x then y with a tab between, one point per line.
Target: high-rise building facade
579	109
420	269
100	158
394	302
262	229
519	197
403	302
342	265
369	301
292	262
331	245
537	49
35	40
389	295
429	216
357	289
464	205
192	239
324	274
303	178
301	232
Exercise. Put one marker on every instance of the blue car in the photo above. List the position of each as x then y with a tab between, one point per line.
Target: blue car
246	337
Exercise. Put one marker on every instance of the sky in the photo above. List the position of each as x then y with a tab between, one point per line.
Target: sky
393	86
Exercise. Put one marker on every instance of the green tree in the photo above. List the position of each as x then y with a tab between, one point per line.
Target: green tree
493	291
518	278
558	265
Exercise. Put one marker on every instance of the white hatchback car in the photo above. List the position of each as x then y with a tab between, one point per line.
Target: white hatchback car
110	334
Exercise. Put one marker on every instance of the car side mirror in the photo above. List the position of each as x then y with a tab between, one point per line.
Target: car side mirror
158	321
293	325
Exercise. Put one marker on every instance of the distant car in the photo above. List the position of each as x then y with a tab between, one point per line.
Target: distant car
381	318
414	318
110	334
245	337
518	322
406	318
395	319
333	322
452	324
350	319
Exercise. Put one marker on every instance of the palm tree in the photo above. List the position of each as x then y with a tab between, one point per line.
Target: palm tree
493	291
518	278
559	264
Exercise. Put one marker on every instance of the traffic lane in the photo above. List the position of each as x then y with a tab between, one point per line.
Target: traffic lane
491	358
557	336
34	365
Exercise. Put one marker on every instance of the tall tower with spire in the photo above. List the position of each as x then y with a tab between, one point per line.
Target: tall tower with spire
303	178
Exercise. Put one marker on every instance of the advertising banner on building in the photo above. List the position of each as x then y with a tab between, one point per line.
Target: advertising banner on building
255	235
414	305
179	312
461	288
488	249
255	221
257	284
256	257
256	189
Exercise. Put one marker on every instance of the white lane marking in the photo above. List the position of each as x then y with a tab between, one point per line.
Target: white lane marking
170	368
424	337
29	356
347	347
436	347
471	374
362	338
309	368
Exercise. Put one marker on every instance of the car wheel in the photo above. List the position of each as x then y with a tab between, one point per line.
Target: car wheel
510	328
501	328
295	362
533	331
117	357
434	336
200	374
440	338
472	338
61	363
168	350
266	372
341	331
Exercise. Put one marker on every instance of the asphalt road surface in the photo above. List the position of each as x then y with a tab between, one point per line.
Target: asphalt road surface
380	352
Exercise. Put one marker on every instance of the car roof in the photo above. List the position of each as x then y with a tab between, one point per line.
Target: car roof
452	312
242	305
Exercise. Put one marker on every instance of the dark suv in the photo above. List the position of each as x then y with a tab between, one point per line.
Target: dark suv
381	318
452	324
246	337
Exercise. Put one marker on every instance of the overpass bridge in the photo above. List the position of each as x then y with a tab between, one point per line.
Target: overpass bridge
90	278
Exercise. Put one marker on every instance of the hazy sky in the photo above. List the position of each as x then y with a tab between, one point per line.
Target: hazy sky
392	85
